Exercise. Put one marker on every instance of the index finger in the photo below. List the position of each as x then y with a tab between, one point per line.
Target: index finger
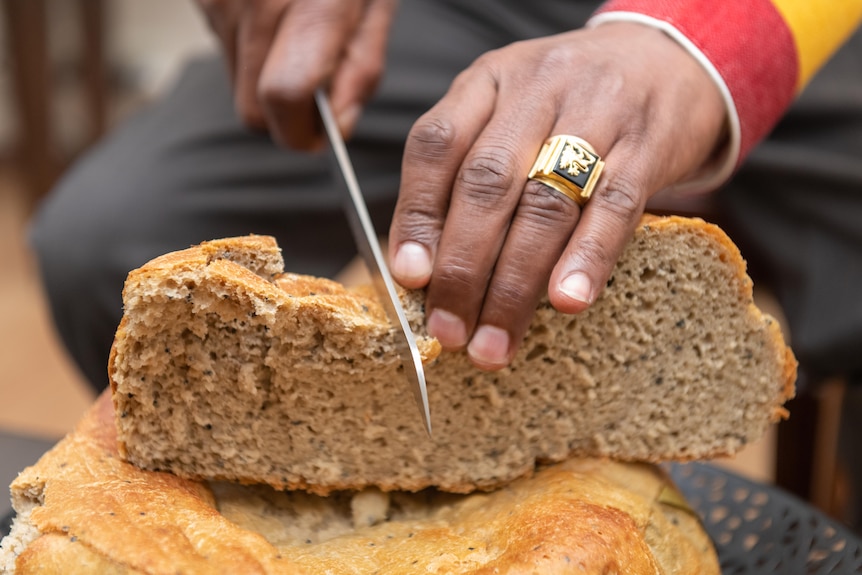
305	53
433	153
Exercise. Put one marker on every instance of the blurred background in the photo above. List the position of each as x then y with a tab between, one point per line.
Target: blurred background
69	71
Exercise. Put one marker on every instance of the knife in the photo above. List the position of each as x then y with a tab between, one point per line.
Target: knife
369	248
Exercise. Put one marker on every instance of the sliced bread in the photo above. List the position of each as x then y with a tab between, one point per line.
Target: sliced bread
224	368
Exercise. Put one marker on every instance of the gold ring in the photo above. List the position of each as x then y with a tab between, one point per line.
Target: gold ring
569	165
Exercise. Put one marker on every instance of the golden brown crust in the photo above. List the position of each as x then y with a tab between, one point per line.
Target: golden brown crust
784	355
210	251
55	554
91	495
582	516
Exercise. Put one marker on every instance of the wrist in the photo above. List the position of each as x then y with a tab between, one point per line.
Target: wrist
703	85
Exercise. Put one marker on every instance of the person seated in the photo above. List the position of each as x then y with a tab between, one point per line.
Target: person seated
446	106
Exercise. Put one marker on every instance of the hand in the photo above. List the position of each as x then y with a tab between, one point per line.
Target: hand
486	241
280	51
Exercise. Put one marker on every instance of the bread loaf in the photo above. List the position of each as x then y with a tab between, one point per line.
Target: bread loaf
84	511
224	368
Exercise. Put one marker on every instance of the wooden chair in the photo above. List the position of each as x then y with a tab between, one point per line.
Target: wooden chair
28	33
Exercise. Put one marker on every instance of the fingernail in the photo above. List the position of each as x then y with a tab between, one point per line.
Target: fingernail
347	119
489	346
577	287
412	264
448	329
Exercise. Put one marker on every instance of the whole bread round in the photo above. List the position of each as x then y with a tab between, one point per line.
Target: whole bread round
225	368
82	510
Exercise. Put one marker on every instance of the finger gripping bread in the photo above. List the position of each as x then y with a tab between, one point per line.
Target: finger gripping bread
224	368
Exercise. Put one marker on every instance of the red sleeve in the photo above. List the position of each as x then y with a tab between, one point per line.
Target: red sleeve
748	44
761	53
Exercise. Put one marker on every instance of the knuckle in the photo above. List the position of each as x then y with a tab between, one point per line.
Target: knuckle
539	202
512	294
595	253
418	221
548	62
431	137
622	197
512	299
488	60
487	175
456	274
277	91
555	57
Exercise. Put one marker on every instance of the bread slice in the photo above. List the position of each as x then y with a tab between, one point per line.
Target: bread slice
224	369
85	511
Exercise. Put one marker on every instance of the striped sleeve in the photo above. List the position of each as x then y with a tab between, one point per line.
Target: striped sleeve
760	53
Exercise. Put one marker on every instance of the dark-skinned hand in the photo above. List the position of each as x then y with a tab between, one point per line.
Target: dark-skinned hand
280	51
488	243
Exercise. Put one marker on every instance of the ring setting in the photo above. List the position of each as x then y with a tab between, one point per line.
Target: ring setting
569	165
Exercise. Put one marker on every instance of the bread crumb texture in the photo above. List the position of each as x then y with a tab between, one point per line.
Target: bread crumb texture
88	511
224	368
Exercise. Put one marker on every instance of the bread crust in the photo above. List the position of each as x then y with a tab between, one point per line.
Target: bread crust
325	318
99	514
786	358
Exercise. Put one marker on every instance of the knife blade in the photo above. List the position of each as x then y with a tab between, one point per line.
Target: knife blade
369	248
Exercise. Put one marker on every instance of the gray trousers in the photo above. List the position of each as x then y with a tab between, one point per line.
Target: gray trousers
186	170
